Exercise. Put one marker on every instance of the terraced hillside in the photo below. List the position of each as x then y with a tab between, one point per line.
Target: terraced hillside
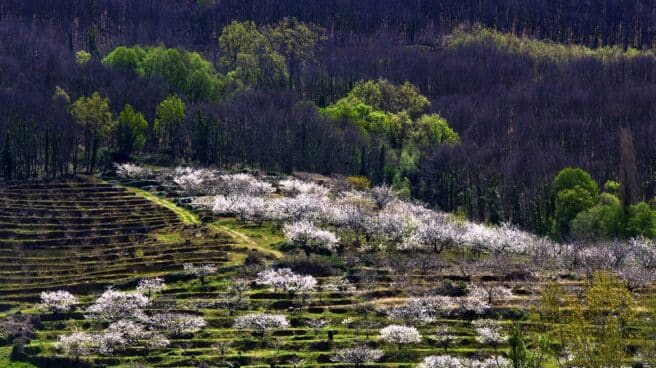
461	302
86	235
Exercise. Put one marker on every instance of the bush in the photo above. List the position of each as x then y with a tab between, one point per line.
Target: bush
359	182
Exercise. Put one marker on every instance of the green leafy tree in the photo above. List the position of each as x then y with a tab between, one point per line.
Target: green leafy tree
433	129
169	115
569	203
599	333
82	57
185	72
295	41
569	178
132	130
602	221
575	191
641	221
386	96
248	56
94	116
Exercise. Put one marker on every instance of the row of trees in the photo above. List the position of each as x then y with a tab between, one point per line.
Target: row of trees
582	212
105	24
574	106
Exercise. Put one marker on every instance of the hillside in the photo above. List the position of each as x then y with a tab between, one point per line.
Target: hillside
365	284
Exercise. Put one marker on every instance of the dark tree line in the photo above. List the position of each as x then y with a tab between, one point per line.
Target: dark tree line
104	24
520	119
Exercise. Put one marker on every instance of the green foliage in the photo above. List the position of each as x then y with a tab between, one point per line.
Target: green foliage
94	116
612	187
603	221
185	72
295	41
569	203
169	114
248	56
570	178
383	95
597	329
433	129
575	191
82	57
539	49
641	221
593	327
360	182
132	130
401	185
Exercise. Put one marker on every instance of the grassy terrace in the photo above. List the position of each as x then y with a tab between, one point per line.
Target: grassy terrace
49	249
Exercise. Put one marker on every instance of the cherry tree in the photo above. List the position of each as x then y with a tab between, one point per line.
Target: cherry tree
243	184
496	361
76	344
303	207
490	292
444	336
261	323
193	180
132	171
310	238
400	335
294	187
251	209
357	356
286	280
177	324
200	271
110	341
383	195
423	309
238	287
489	332
151	286
115	305
443	361
58	301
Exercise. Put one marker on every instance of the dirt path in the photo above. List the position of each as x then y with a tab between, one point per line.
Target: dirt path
247	241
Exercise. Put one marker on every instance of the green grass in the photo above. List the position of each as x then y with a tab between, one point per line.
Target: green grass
5	362
264	238
187	217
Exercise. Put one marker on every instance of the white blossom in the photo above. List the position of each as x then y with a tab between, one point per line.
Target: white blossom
286	280
295	186
58	301
201	271
357	355
77	344
177	323
114	305
442	361
495	362
150	286
110	342
396	334
444	335
193	180
310	238
491	293
261	322
489	332
132	171
243	185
